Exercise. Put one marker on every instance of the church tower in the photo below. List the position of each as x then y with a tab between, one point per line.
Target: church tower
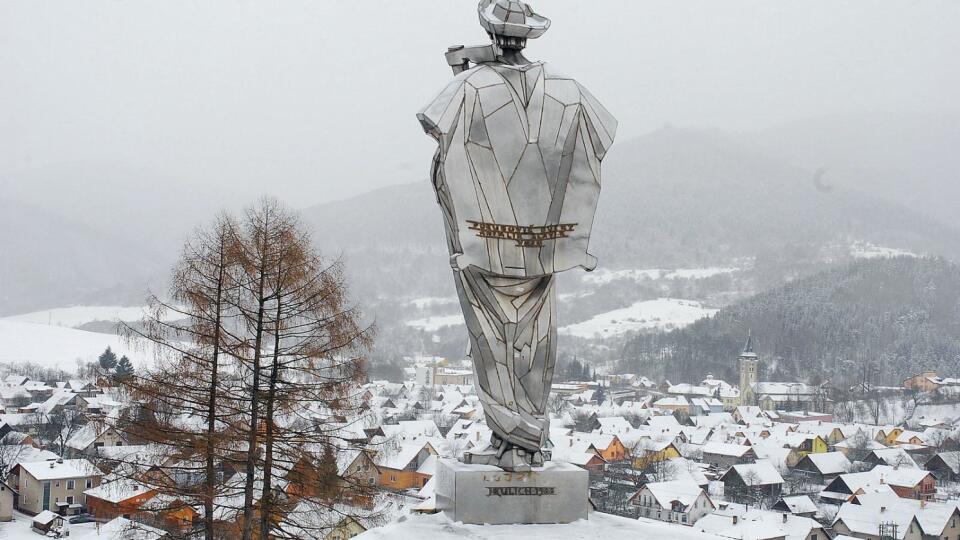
749	362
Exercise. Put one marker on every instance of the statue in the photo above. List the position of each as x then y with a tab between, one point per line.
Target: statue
517	176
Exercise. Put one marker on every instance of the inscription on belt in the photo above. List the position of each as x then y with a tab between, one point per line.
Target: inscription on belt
523	235
509	491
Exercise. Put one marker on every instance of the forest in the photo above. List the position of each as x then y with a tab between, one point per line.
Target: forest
876	321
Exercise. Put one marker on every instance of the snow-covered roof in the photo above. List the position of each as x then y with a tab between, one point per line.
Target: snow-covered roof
830	462
117	490
726	449
665	493
761	473
45	518
800	504
755	524
52	470
400	456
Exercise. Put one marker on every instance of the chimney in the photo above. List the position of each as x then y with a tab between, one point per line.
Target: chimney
883	509
735	519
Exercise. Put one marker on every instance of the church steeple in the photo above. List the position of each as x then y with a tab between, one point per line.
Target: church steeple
749	363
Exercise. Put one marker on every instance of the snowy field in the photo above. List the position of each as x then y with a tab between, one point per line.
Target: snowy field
599	526
661	314
601	277
74	316
865	250
430	301
432	324
56	346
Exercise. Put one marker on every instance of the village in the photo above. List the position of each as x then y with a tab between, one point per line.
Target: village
754	460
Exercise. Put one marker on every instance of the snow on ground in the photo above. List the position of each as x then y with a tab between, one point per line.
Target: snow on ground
75	316
439	527
430	301
56	346
601	277
432	324
866	250
19	529
663	313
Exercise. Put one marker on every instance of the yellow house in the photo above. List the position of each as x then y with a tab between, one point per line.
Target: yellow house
347	528
648	451
888	435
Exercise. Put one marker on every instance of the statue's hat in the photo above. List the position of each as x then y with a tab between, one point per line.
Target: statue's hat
511	18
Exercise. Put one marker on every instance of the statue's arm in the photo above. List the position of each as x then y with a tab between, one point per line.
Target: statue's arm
439	116
602	123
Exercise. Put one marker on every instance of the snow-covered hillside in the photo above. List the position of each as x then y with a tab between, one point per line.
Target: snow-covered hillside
75	316
663	313
600	277
57	347
432	324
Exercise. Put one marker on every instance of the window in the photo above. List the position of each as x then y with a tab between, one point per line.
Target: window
71	484
70	501
98	445
58	483
89	483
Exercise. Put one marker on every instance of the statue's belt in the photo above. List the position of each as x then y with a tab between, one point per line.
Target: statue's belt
523	235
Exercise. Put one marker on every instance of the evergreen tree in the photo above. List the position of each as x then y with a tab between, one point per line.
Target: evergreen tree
124	369
108	360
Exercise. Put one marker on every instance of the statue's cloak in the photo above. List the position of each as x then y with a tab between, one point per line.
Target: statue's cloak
517	171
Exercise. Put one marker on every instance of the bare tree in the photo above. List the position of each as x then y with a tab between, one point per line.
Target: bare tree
182	408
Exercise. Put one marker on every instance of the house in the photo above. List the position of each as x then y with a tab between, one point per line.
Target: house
801	444
47	523
895	456
905	482
785	395
613	425
945	466
44	484
798	505
399	466
752	482
647	451
609	447
673	404
117	498
676	501
722	456
926	381
823	468
868	515
7	497
740	522
90	437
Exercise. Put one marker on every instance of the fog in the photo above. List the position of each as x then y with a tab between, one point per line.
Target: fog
136	109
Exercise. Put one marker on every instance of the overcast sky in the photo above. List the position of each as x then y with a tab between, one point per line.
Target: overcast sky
314	100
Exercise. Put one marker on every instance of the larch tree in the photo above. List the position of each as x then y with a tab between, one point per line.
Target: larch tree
181	409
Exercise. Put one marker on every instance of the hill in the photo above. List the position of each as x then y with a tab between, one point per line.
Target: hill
51	260
676	197
897	316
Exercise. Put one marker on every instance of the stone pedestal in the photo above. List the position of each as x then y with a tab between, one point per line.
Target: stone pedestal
484	494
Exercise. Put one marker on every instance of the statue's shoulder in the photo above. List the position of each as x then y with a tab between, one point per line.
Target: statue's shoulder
568	91
482	75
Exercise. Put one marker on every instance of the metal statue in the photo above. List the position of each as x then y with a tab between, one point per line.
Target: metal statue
517	176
